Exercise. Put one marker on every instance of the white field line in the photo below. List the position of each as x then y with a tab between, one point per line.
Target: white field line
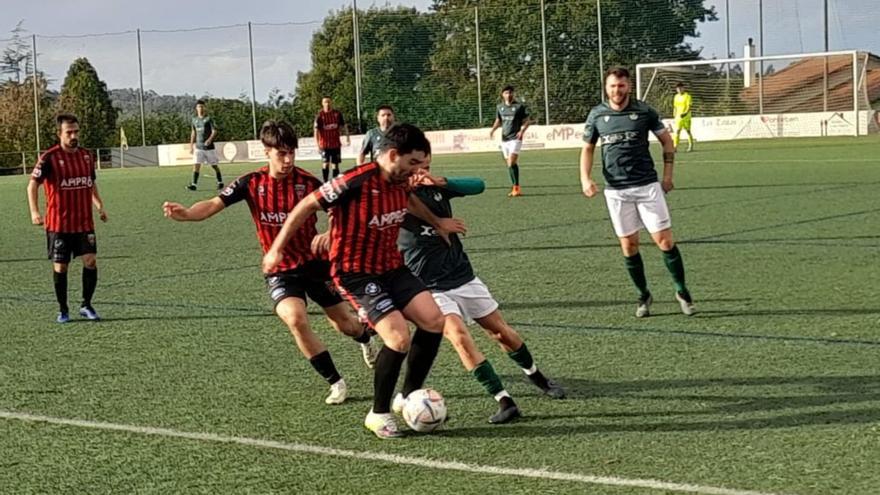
382	457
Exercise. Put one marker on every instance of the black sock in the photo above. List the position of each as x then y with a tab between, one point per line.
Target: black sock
335	171
325	173
60	279
363	338
323	364
513	171
424	349
90	281
387	370
217	171
195	178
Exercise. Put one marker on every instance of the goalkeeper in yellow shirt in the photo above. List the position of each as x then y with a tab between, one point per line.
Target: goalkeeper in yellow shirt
682	106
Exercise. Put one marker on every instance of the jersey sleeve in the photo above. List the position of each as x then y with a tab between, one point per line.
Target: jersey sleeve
43	169
654	123
213	126
94	162
341	119
591	134
341	189
523	112
319	123
235	192
464	186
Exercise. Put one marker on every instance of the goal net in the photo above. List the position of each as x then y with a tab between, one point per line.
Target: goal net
813	94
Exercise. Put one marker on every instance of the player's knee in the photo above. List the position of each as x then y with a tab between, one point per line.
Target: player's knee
457	335
59	267
398	340
90	262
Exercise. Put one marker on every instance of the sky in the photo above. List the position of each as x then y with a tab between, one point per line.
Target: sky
216	62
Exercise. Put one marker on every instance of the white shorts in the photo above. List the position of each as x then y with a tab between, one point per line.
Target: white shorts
512	147
470	301
636	207
205	156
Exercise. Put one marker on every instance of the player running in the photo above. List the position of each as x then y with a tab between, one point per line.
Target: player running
67	173
270	193
201	145
633	194
513	119
446	270
368	204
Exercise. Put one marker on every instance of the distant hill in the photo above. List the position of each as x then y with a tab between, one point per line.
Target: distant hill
126	100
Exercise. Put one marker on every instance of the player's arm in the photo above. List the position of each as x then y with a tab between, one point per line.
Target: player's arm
465	186
301	212
686	106
195	213
496	124
668	159
98	202
317	129
443	226
33	193
366	146
591	137
526	122
212	136
345	128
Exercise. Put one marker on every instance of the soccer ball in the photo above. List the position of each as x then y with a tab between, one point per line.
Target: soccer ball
424	410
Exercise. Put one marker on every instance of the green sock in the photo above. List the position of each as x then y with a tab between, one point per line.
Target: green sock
485	374
675	265
636	268
513	170
522	357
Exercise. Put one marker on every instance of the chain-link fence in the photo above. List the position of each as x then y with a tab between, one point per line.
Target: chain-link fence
440	69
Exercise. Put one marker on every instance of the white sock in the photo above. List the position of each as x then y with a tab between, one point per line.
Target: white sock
501	395
531	371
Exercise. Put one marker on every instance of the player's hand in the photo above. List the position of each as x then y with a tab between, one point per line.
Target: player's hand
447	226
491	133
271	260
590	189
321	243
174	211
102	215
667	185
519	135
36	218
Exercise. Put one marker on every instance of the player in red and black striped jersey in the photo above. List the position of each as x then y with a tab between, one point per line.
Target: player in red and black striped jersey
328	125
367	205
67	173
271	192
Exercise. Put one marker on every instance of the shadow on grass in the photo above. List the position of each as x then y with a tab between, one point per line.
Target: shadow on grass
725	397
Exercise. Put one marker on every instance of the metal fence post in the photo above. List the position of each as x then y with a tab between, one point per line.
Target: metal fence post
36	95
141	93
253	80
479	82
544	48
601	54
357	61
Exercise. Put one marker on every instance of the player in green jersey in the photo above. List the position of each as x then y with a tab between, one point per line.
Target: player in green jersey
634	195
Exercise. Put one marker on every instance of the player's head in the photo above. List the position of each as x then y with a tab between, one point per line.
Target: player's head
403	151
507	94
385	116
200	108
326	103
679	88
67	126
280	142
617	85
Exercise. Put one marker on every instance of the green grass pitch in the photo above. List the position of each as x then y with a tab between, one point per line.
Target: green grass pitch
773	387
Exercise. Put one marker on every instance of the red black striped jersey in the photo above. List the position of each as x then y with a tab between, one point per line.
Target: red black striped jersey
68	179
367	211
328	125
270	201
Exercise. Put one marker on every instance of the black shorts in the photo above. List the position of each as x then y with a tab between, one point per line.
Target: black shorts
64	246
331	155
375	296
312	278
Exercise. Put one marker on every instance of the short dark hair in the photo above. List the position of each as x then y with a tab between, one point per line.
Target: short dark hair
618	71
278	135
65	118
384	107
200	102
405	138
508	88
679	85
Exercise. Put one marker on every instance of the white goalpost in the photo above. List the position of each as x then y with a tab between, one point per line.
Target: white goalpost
803	94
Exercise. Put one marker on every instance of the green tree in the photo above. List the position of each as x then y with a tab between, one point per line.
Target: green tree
85	95
17	131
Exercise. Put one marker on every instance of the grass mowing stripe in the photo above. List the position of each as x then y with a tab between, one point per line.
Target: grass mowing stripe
381	457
